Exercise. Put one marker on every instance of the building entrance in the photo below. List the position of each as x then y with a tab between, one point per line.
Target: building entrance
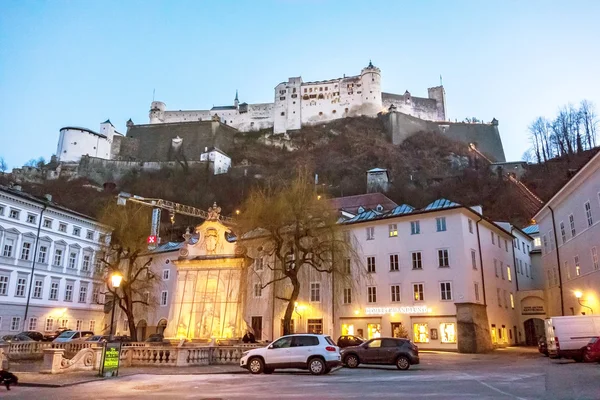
534	328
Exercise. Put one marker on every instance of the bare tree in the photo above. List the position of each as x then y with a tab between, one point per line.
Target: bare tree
589	120
297	228
3	165
122	254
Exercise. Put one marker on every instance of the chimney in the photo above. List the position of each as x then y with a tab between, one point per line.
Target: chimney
48	197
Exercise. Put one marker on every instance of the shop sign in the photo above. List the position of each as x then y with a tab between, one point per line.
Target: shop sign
529	310
397	310
110	359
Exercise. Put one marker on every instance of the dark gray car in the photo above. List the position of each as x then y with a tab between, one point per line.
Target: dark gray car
391	351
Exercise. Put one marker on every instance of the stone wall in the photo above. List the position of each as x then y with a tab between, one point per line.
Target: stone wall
473	328
485	137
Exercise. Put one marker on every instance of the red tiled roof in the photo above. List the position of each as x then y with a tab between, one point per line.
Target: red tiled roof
369	200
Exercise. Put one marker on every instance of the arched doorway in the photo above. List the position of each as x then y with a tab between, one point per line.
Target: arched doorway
141	330
534	328
162	325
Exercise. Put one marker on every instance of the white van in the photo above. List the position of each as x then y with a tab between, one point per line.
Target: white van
568	336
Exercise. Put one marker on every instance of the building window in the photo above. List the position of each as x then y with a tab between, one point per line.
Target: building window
89	235
505	300
20	289
470	223
31	218
83	293
14	214
443	259
393	230
78	324
537	242
563	233
572	224
508	276
512	301
370	233
72	260
315	292
446	290
418	294
494	240
502	269
25	251
474	259
95	294
421	333
523	247
371	264
395	293
577	267
258	264
499	298
8	247
440	224
415	227
394	264
86	262
69	292
347	266
62	227
588	213
53	291
49	325
76	231
3	285
496	268
417	261
371	294
42	254
92	325
163	298
1	209
15	324
594	251
166	274
448	332
33	324
506	245
347	295
476	288
58	257
64	323
315	326
47	223
38	288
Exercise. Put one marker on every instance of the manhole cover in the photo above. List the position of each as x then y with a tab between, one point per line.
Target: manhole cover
146	387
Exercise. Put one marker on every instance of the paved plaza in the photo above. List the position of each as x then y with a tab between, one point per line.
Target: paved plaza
504	374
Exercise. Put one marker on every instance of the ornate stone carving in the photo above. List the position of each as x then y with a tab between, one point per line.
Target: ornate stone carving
214	212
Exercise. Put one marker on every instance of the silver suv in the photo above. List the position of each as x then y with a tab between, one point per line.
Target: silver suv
317	353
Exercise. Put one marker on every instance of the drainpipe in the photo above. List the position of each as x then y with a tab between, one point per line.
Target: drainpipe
481	261
560	285
515	259
37	241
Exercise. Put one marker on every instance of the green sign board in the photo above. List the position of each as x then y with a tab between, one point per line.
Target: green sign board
110	359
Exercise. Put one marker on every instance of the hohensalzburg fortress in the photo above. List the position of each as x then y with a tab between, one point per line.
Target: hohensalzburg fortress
299	103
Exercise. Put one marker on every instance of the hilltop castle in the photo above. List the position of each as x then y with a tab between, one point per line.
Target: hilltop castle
299	103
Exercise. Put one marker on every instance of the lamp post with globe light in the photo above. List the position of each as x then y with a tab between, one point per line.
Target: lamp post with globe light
115	280
579	295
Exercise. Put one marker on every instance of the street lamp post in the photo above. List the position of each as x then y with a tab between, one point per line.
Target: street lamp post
579	295
115	279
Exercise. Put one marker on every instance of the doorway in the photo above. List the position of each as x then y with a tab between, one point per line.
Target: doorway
398	330
257	327
534	328
141	330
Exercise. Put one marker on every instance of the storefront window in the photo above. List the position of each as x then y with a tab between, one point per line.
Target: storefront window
493	330
347	329
448	333
374	331
421	333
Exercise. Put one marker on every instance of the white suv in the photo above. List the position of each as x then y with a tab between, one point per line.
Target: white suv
317	353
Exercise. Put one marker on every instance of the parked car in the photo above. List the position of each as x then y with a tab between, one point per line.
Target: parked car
569	336
51	336
543	345
34	335
349	340
98	338
317	353
70	336
592	350
17	338
393	351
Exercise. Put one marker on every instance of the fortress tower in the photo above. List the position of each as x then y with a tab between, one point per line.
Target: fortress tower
370	78
157	112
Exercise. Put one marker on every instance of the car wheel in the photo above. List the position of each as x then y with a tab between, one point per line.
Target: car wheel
316	366
256	365
402	363
351	361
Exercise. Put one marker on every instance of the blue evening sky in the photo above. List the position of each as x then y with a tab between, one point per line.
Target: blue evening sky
80	62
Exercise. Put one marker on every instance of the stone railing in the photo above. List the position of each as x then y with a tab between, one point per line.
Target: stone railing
87	359
35	350
183	356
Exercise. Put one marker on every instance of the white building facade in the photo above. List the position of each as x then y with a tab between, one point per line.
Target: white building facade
569	227
74	142
218	161
47	266
297	103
